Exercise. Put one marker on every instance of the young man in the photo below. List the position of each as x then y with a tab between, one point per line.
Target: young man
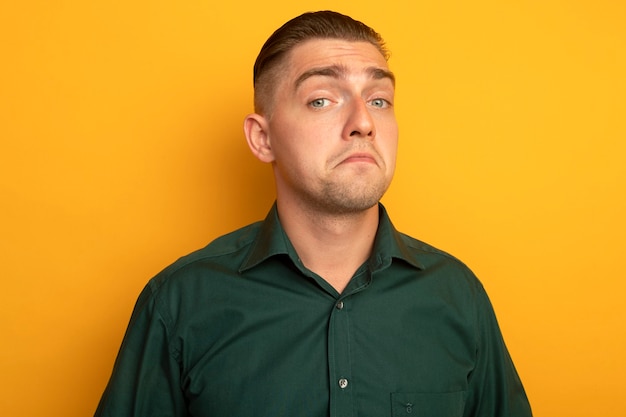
323	309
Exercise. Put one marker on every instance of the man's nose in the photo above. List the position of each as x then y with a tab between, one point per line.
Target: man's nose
360	123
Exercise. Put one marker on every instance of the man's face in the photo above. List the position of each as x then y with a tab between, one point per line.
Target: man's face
333	132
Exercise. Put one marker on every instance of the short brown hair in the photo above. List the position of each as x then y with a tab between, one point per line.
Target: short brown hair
313	25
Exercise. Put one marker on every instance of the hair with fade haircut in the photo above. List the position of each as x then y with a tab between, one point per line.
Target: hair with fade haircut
313	25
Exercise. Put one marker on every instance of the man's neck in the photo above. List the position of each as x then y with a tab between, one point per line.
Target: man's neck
333	246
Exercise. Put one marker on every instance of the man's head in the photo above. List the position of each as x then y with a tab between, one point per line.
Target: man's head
331	133
314	25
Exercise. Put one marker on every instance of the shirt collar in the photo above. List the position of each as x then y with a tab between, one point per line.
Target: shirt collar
272	240
390	244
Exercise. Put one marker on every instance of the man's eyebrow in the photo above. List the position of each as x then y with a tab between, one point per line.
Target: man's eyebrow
333	71
336	71
381	73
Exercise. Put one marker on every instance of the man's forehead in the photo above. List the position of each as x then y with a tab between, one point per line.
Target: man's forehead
336	58
339	71
331	47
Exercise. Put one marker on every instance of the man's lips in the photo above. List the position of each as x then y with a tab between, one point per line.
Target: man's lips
359	157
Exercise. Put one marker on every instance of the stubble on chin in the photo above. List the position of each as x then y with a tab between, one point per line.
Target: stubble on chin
350	197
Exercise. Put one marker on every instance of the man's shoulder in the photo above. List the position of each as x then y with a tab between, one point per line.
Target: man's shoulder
230	243
440	269
419	246
427	254
230	248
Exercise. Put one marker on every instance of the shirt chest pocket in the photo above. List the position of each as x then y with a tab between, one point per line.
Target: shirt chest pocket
414	404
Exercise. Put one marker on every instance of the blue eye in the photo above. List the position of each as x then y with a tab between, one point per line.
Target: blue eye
379	102
319	103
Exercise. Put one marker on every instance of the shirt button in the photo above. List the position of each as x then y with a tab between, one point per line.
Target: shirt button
343	383
340	305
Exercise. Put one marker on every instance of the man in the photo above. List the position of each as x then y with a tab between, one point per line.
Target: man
323	309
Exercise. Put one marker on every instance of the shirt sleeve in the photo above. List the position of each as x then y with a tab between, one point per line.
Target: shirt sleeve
495	387
146	376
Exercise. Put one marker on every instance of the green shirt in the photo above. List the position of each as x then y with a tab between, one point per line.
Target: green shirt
243	328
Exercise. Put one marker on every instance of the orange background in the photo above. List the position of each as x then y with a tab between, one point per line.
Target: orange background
122	149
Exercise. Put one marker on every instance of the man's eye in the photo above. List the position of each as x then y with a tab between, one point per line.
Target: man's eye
319	103
379	102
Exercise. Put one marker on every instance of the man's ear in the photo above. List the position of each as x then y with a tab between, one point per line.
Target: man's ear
255	127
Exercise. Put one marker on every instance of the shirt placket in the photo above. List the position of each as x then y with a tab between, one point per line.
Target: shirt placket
340	363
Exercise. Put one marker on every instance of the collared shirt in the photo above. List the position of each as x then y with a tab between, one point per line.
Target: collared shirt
242	328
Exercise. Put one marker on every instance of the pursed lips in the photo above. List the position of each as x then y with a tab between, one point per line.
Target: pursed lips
360	157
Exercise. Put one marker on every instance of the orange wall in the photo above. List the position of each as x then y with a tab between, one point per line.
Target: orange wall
122	149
